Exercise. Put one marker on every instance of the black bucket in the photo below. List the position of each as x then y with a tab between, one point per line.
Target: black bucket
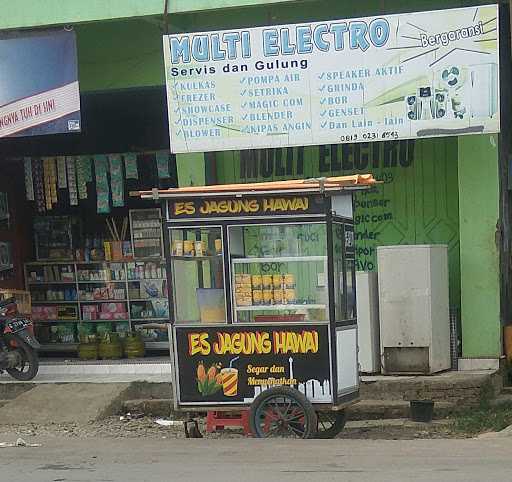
422	410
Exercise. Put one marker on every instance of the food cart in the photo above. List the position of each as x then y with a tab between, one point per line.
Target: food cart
263	296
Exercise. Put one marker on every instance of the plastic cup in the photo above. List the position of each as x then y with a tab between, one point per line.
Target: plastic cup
229	381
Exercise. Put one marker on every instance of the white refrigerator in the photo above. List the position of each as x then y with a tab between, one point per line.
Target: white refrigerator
414	308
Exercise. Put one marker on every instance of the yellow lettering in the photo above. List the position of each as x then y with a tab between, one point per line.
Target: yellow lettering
184	208
205	208
268	204
198	343
253	206
302	203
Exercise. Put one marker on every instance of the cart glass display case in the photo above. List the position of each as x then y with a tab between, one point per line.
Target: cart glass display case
278	272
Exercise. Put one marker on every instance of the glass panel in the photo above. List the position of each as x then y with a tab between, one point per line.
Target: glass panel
338	239
198	275
350	256
351	289
279	272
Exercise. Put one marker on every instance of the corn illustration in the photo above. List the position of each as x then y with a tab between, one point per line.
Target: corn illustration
212	373
201	373
209	382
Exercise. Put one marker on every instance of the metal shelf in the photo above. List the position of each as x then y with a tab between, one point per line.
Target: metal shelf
62	302
104	321
197	258
43	283
146	279
56	321
279	307
157	344
101	282
59	347
140	300
148	320
283	259
104	301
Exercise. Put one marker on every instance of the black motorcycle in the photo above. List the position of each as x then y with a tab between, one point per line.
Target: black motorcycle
18	355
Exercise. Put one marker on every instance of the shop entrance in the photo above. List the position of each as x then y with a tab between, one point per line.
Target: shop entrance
90	255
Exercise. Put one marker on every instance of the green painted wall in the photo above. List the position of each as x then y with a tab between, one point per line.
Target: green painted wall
119	55
31	13
479	255
416	204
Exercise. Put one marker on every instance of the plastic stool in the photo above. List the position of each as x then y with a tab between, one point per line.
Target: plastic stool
219	420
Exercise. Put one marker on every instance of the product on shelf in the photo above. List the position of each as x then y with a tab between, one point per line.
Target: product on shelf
277	289
123	328
289	280
103	329
277	281
54	237
54	312
200	248
147	310
109	292
188	248
51	274
114	272
142	270
290	296
268	296
278	297
177	247
257	282
90	312
267	281
257	297
151	334
63	333
146	229
243	290
218	246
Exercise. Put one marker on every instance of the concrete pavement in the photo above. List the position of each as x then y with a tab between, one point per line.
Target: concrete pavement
246	460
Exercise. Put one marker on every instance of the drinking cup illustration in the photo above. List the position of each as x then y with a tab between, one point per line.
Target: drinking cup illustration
229	381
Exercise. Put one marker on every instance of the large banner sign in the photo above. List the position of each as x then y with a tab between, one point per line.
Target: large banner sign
39	91
231	364
405	76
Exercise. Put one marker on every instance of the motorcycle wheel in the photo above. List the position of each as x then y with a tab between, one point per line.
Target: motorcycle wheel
29	366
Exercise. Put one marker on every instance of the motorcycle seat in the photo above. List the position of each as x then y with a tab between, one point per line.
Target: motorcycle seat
7	302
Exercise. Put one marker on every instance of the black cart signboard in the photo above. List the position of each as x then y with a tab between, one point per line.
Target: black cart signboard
233	206
232	364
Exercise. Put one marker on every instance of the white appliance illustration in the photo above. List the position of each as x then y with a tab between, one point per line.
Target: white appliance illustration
314	390
483	90
456	93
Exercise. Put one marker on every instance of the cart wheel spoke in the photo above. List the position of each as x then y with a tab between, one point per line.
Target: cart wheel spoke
330	424
296	430
283	411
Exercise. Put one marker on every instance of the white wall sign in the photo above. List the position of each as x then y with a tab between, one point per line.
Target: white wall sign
405	76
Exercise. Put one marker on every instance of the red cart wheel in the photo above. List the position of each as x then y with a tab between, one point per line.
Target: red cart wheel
282	412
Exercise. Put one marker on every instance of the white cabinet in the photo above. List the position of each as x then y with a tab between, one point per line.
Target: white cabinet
414	309
368	321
